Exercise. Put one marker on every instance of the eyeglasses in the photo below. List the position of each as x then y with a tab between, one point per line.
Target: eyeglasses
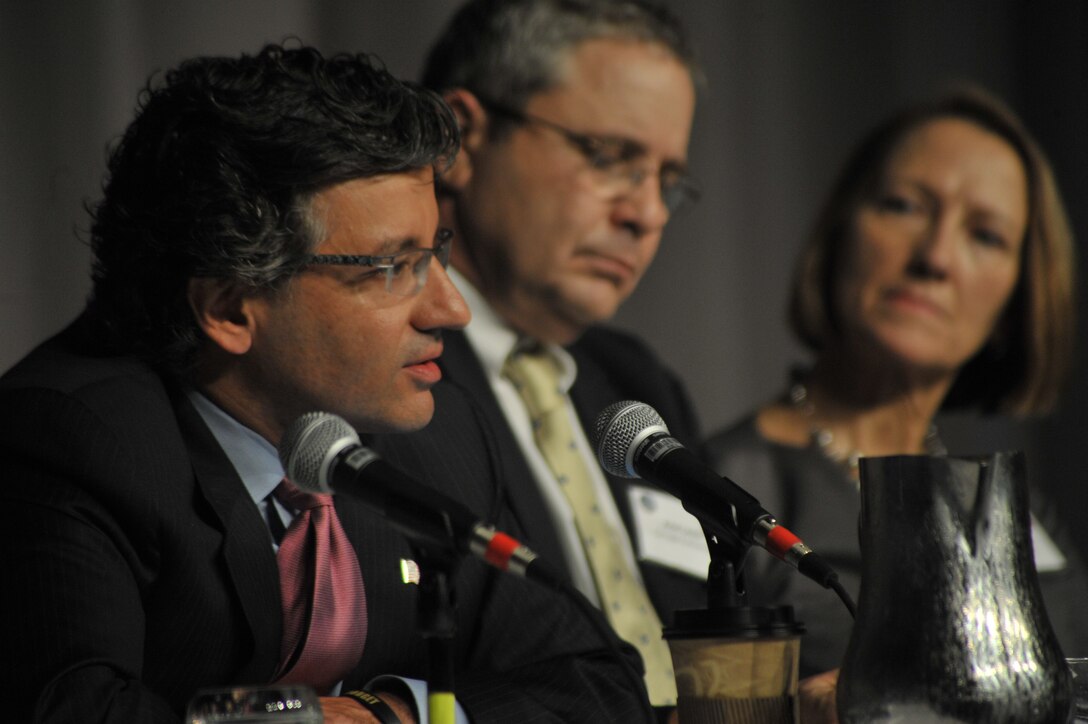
619	162
406	271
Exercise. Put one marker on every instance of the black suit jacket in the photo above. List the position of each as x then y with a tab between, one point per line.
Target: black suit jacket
612	366
138	569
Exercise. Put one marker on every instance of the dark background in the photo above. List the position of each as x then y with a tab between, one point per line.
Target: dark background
792	84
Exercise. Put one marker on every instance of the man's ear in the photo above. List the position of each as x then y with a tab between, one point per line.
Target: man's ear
472	120
222	313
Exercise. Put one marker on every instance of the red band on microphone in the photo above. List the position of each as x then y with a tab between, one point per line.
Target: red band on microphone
780	540
500	549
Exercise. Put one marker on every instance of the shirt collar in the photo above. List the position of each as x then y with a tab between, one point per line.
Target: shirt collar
254	458
493	340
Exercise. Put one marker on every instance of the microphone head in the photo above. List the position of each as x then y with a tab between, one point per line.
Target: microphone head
618	431
309	446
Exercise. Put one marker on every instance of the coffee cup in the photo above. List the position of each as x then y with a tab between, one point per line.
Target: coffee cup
736	665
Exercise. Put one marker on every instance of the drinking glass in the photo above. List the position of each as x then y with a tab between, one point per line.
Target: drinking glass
292	704
1079	667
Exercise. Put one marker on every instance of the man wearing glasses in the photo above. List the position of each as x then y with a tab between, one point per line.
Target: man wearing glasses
575	118
268	245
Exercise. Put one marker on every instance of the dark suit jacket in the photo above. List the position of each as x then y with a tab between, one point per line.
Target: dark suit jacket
137	568
612	366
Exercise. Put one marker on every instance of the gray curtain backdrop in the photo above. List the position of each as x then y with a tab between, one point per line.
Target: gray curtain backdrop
792	84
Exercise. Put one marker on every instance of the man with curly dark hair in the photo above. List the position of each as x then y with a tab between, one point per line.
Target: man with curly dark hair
267	245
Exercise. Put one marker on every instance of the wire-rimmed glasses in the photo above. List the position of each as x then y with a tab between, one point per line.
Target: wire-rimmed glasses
405	271
620	163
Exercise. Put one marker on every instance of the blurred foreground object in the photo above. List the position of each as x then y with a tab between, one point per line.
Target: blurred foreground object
951	624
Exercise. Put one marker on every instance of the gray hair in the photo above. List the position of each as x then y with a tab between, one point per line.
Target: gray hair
508	50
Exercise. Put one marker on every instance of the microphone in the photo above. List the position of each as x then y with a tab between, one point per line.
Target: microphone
632	441
320	449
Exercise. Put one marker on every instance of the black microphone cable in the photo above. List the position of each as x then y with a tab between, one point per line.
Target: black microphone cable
632	441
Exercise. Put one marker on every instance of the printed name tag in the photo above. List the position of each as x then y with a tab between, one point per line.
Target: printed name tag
667	534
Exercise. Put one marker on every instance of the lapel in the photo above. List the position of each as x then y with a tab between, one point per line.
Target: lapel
461	367
614	367
592	392
391	604
247	553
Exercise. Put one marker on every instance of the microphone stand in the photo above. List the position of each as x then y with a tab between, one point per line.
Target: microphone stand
725	586
725	582
437	624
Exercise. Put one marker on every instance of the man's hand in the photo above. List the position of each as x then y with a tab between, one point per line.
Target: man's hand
817	695
342	710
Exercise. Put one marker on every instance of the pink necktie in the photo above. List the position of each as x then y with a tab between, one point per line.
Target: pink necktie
324	602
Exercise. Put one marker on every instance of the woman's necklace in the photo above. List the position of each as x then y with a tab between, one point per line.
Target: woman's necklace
824	439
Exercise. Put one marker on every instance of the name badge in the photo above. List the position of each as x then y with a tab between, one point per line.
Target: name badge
667	534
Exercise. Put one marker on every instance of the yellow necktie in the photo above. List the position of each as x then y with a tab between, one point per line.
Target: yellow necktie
624	601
